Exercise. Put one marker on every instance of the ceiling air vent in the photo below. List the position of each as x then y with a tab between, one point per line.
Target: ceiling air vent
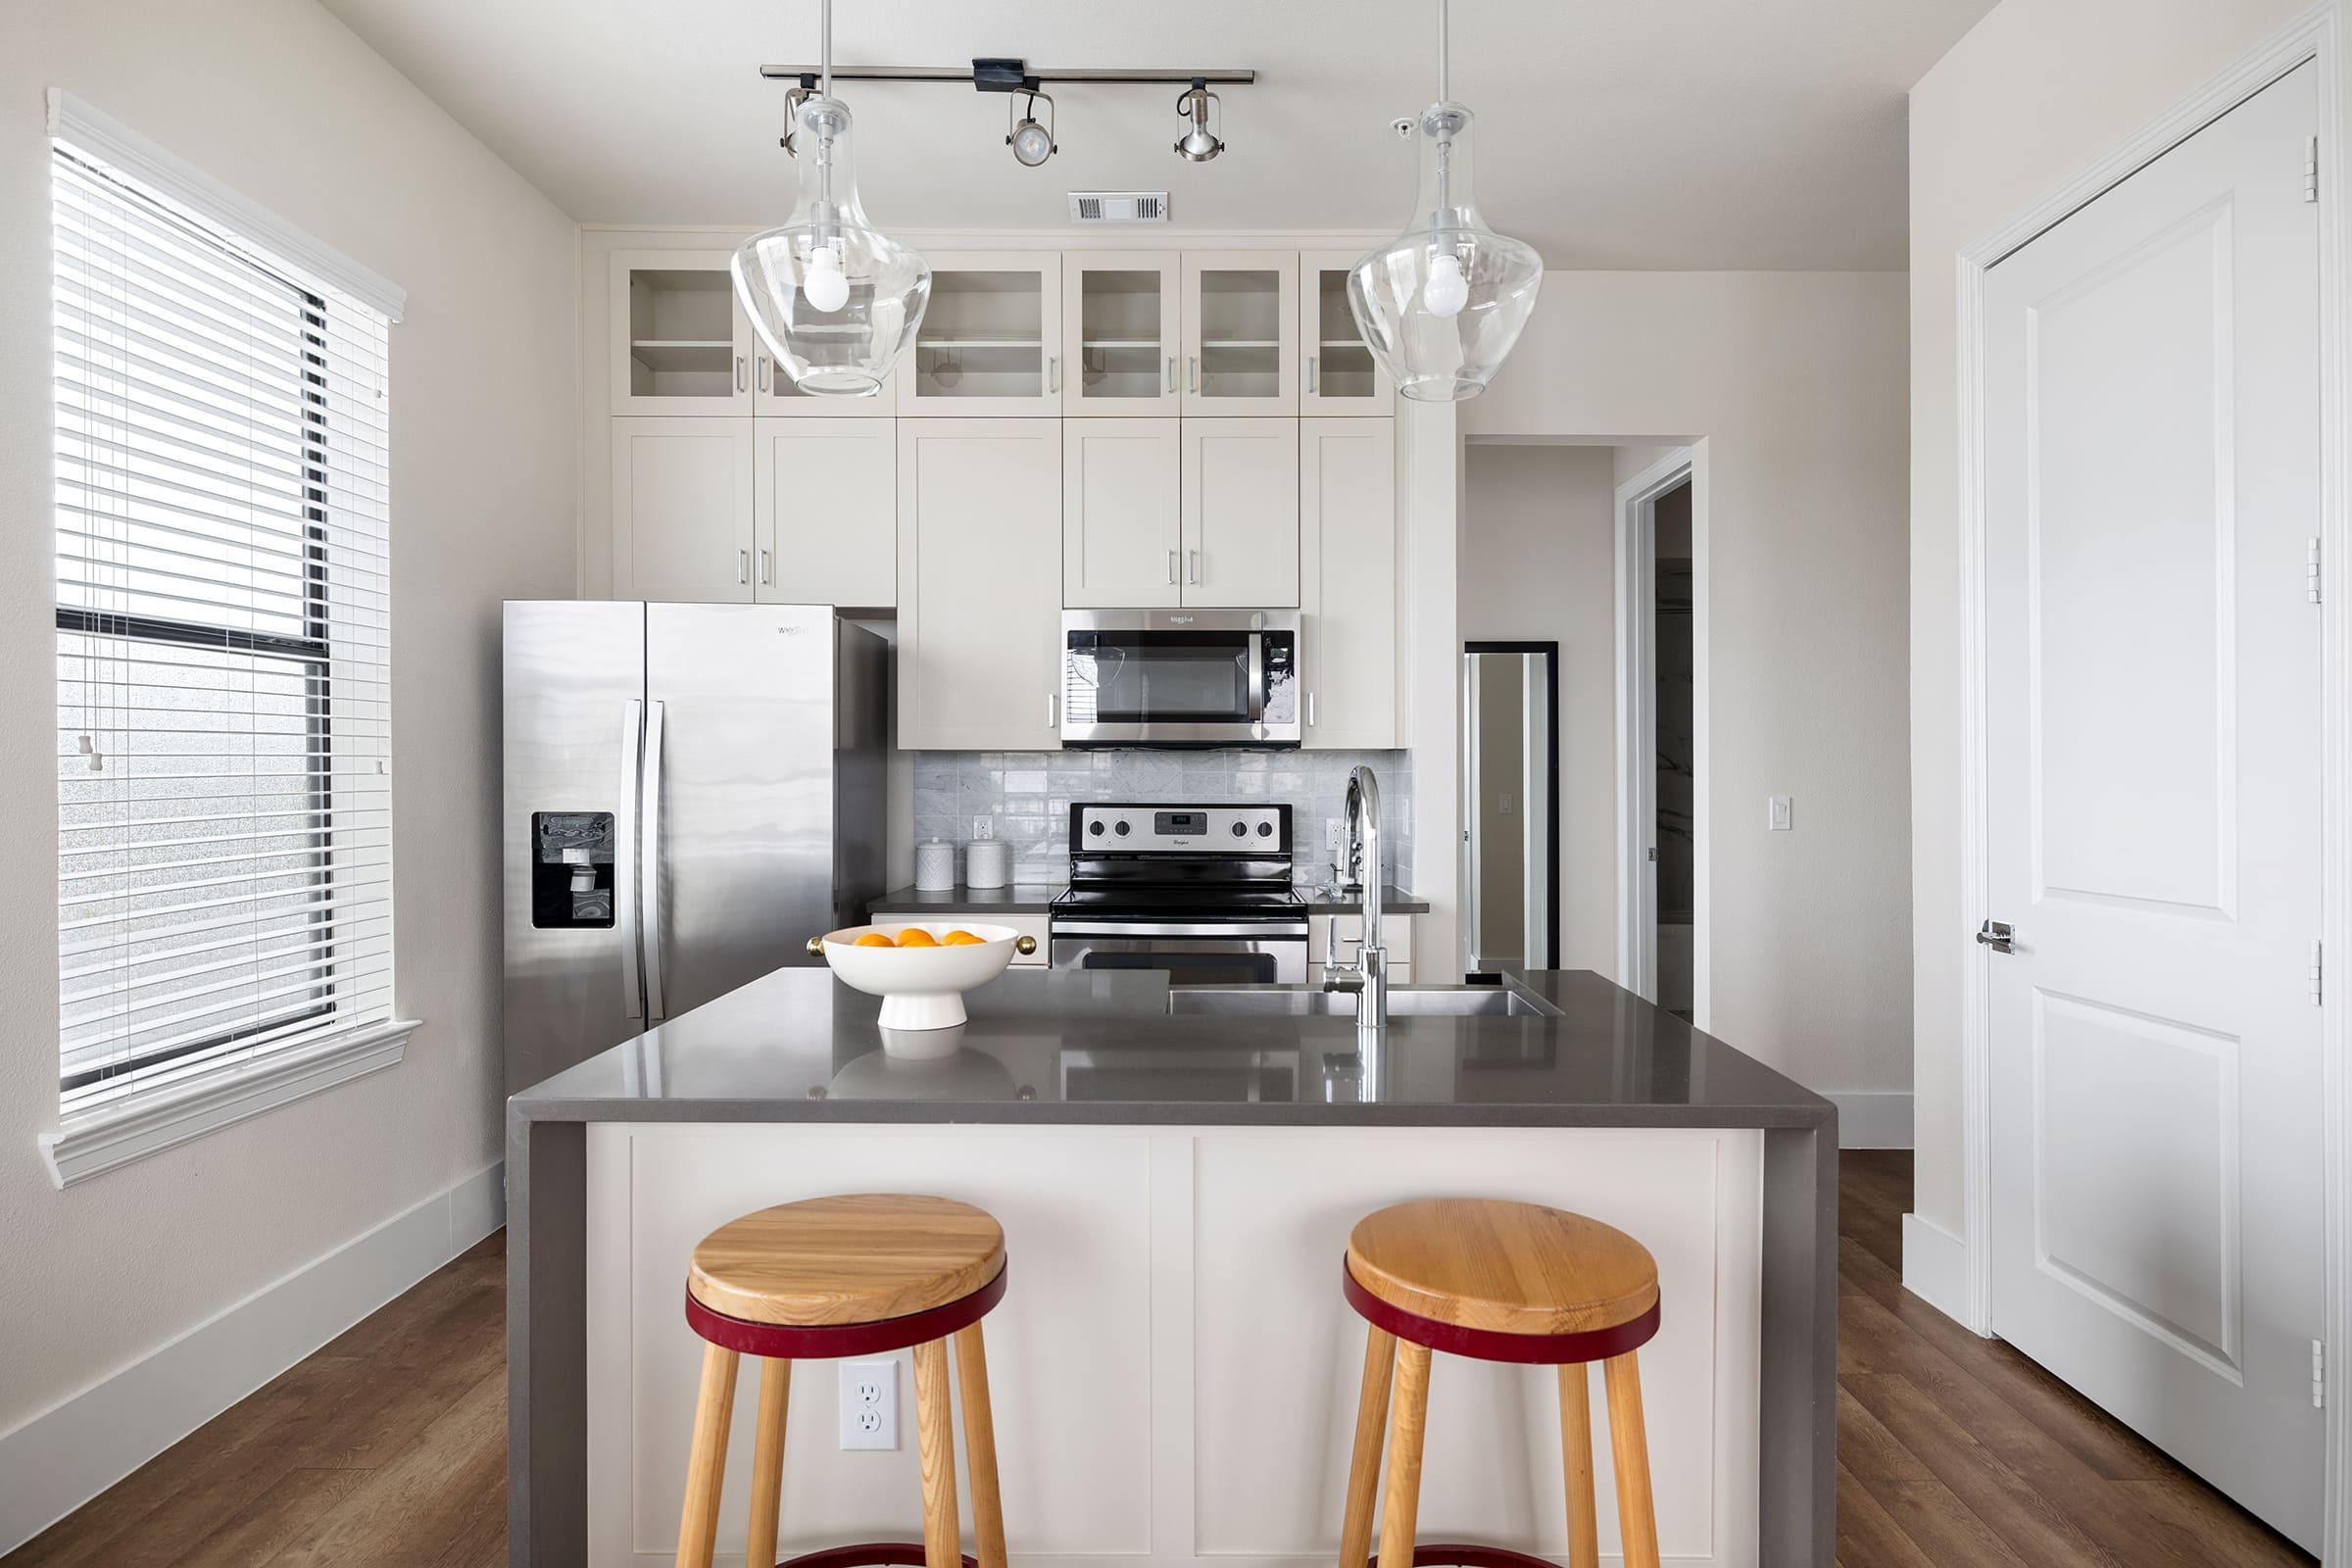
1118	207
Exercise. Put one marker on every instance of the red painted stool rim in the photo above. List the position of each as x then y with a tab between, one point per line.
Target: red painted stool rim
1445	1555
1489	1344
873	1554
828	1342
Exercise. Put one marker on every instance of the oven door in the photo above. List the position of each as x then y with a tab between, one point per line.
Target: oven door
1180	677
1212	953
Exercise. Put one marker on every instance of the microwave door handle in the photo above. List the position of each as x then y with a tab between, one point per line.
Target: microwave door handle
657	1004
1257	677
624	856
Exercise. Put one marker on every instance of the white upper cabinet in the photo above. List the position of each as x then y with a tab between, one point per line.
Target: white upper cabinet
1122	536
1241	514
1349	604
979	595
990	340
1122	323
1341	375
679	343
828	512
683	510
1240	332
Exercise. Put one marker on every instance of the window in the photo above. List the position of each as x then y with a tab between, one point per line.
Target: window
224	810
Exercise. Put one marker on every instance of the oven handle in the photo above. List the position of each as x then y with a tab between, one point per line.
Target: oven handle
1231	930
1257	677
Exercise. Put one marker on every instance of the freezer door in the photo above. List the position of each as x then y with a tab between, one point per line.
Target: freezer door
739	789
574	709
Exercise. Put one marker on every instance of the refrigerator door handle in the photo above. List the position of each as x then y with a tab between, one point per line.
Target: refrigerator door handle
650	850
624	856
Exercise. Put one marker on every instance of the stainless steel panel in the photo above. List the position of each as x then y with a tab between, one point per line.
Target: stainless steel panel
649	859
627	904
740	874
1190	960
1270	719
862	738
570	670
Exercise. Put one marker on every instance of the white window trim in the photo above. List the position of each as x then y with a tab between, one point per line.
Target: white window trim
110	1136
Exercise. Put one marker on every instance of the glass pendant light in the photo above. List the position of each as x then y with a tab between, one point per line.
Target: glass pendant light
835	299
1443	303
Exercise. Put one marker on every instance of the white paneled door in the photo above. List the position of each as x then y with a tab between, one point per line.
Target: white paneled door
2151	476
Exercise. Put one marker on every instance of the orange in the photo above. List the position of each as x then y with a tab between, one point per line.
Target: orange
872	939
914	936
960	938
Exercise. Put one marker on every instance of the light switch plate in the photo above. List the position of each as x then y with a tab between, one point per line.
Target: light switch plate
870	1403
1775	813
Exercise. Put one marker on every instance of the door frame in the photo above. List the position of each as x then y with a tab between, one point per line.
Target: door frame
2316	37
1637	715
1551	654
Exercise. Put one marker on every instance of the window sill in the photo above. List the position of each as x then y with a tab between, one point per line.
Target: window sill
100	1140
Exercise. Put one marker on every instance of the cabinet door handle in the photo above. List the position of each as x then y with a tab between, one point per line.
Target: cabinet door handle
1052	372
1172	375
764	373
1191	374
1310	709
768	565
1052	710
742	374
1310	374
1192	567
1171	567
743	566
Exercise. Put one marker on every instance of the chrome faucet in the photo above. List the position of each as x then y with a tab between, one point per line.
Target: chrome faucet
1368	976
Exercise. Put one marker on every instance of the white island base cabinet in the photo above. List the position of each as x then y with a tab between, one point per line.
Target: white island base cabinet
1174	1371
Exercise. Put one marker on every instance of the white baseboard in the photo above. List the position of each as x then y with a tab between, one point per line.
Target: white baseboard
1871	1120
69	1453
1936	1267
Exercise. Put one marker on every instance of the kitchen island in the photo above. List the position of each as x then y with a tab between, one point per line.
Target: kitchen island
1176	1174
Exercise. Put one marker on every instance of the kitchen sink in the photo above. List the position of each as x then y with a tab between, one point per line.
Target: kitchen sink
1405	1002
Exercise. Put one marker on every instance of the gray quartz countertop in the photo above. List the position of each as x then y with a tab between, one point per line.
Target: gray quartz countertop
1037	897
1079	1048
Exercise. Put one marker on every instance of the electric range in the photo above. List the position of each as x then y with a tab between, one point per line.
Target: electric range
1201	891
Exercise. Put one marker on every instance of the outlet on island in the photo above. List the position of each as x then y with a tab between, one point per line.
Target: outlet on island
870	1403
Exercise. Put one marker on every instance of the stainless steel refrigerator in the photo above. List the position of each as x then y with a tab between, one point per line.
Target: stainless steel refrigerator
692	792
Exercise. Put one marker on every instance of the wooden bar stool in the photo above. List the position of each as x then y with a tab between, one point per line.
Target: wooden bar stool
1498	1282
831	1277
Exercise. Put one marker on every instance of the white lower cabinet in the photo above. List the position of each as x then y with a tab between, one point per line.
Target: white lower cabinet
979	593
683	509
828	512
1348	600
1241	514
1122	530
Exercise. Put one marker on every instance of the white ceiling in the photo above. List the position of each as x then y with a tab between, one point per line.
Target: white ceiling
1627	133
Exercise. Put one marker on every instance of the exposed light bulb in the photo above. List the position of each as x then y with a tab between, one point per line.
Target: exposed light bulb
1448	290
827	289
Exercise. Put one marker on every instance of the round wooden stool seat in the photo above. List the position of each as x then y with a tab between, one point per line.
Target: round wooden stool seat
859	1260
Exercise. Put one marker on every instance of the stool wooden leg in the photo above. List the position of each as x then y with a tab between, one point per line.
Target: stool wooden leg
1371	1422
713	1411
1629	1445
1407	1424
980	1446
767	1464
1576	1455
943	1538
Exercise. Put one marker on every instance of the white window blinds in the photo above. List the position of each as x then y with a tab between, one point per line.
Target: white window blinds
223	655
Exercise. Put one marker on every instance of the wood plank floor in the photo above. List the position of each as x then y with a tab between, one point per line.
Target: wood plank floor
386	1450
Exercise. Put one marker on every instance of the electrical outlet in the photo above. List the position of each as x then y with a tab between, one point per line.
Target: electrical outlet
1775	813
1334	836
870	1403
984	827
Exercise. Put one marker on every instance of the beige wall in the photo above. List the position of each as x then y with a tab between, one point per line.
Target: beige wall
2039	91
1540	565
1794	384
280	101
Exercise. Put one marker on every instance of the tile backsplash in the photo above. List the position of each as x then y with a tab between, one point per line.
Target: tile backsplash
1025	796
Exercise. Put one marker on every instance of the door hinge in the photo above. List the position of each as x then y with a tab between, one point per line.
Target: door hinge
2310	571
2319	1375
2311	170
2316	983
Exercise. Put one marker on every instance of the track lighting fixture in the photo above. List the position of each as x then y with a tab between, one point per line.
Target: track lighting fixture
1199	144
1031	143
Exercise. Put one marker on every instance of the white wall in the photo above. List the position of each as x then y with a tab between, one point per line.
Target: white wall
2038	90
1794	384
1540	565
280	101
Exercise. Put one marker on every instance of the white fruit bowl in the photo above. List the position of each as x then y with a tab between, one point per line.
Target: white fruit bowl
921	988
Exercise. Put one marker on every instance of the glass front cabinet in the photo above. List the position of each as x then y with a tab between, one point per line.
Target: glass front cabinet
682	344
1339	375
990	342
1120	315
1241	340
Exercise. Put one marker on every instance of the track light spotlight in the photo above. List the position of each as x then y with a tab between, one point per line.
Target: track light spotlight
1031	143
1199	144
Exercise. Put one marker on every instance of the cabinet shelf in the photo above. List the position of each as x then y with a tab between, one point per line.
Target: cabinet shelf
1238	343
980	343
1121	343
681	354
1344	343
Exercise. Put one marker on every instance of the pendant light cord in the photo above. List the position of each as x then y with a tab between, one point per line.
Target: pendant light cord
825	42
1444	6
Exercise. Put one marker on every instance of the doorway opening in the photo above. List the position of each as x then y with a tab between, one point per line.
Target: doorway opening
1511	761
1657	740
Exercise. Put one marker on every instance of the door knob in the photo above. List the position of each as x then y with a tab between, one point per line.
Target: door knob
1998	935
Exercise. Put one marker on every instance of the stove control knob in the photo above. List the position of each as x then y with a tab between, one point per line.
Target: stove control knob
1239	828
1095	827
1123	828
1265	830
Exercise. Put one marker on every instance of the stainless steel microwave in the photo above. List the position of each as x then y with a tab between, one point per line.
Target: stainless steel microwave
1180	677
